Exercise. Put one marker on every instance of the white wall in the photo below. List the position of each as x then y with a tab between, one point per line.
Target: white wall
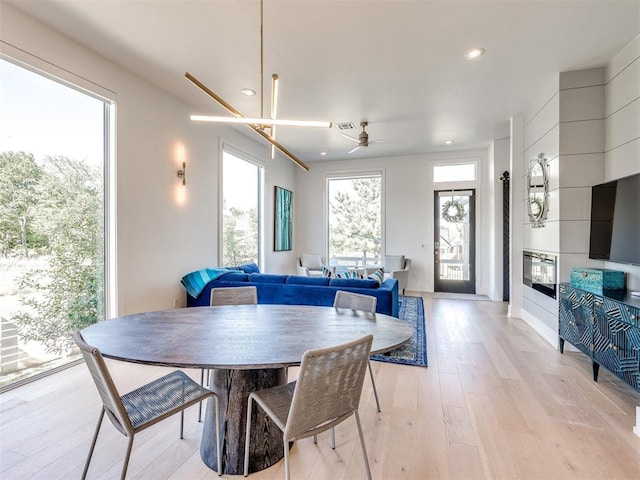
408	210
498	162
158	240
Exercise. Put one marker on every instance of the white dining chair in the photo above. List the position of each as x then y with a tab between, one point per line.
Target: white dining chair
363	303
145	406
326	393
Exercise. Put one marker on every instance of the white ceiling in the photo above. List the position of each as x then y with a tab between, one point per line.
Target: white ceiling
397	64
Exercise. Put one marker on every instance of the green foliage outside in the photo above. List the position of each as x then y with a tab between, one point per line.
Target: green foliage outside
355	227
55	211
240	236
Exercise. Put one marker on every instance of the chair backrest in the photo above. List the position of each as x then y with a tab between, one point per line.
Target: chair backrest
105	385
234	296
355	301
393	262
329	386
311	261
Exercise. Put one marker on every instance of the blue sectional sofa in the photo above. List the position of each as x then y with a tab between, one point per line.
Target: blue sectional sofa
297	290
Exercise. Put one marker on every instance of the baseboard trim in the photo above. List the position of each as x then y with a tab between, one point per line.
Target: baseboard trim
541	329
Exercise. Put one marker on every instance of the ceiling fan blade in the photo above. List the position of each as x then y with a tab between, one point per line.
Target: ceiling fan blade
354	149
350	138
385	140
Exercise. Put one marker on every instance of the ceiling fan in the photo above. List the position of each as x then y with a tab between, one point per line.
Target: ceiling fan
363	139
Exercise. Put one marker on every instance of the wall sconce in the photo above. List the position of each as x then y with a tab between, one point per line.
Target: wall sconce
181	191
182	174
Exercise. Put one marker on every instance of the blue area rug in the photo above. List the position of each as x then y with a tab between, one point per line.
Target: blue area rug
414	352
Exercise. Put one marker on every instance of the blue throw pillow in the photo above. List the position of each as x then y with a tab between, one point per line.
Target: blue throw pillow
249	268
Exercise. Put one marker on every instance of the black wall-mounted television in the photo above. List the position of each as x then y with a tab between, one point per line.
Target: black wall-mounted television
615	221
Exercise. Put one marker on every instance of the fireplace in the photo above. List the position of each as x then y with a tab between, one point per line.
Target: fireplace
539	272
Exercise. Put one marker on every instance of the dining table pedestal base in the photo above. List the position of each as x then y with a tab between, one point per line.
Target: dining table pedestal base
233	388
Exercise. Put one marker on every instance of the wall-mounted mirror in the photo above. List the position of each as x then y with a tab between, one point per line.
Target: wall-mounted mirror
537	191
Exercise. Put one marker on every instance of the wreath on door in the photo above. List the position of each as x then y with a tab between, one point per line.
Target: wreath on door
453	211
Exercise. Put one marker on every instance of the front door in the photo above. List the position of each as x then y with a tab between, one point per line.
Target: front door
454	243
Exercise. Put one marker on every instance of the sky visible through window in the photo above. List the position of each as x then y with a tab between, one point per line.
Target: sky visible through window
461	172
44	117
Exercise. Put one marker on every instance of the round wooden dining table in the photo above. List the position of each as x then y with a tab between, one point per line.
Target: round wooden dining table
247	347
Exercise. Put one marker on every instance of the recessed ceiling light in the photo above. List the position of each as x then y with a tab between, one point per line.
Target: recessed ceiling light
448	142
323	153
474	53
249	92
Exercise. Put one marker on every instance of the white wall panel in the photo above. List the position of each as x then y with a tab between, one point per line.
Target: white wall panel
538	103
582	104
544	239
624	88
622	161
576	79
574	236
581	170
582	137
623	126
542	123
575	203
547	144
542	307
624	58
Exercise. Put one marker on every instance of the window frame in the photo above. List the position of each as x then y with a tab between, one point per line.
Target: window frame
260	164
355	174
454	163
54	73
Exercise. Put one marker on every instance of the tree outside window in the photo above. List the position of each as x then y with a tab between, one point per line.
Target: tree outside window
355	221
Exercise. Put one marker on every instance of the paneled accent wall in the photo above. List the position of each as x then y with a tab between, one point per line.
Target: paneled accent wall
567	126
622	128
587	123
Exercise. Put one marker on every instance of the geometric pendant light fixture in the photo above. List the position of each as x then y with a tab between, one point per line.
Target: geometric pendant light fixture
259	125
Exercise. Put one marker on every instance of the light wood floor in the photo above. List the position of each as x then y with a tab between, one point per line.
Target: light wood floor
496	401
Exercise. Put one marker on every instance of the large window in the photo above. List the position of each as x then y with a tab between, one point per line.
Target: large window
241	210
355	221
53	155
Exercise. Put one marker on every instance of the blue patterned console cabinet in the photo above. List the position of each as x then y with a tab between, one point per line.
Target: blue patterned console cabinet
604	326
